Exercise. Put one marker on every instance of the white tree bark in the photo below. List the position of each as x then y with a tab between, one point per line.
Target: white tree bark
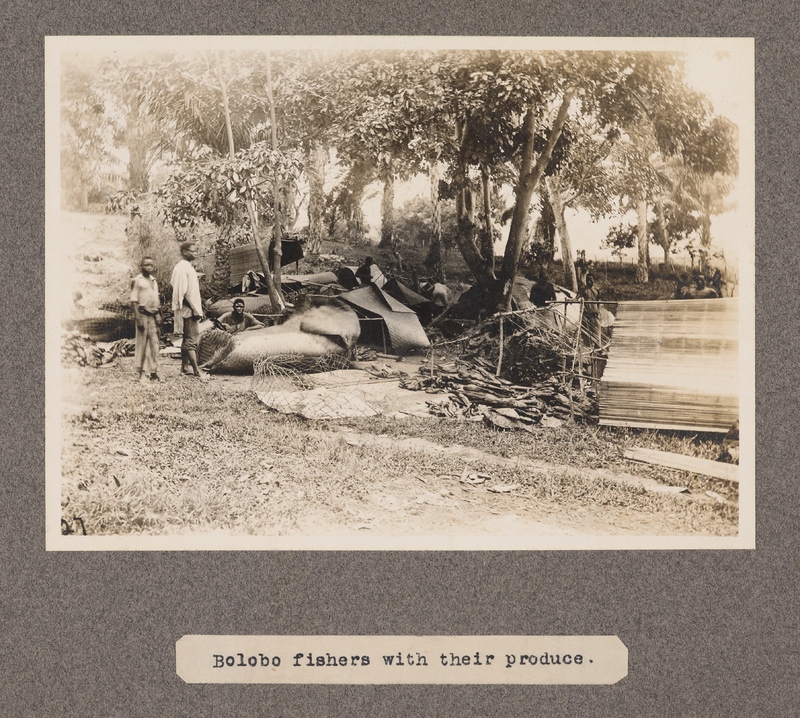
554	193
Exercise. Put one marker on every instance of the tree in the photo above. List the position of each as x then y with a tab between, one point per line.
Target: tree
383	109
227	192
87	130
580	175
666	123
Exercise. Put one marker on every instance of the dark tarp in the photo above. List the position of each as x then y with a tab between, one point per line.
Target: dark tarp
421	305
402	324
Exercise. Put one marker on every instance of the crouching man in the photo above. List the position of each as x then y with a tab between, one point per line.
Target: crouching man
239	320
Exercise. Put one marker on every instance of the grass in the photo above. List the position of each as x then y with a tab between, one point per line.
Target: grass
156	461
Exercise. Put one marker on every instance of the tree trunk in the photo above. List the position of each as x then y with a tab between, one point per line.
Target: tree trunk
357	180
277	238
315	171
273	289
664	240
223	86
487	238
221	278
465	220
544	233
643	266
136	137
529	177
83	196
705	234
387	211
465	239
434	261
554	193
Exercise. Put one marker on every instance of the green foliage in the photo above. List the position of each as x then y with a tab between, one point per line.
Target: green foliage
147	235
481	114
216	188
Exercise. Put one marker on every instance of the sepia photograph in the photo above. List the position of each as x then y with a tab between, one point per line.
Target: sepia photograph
418	293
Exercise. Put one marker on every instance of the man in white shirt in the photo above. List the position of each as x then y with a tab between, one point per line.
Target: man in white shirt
188	308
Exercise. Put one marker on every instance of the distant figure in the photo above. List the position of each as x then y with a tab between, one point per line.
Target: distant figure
701	291
542	291
581	268
239	320
591	320
364	272
188	308
438	293
716	282
682	290
415	279
147	315
700	282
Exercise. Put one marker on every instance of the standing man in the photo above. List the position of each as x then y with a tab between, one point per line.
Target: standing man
147	315
591	319
188	308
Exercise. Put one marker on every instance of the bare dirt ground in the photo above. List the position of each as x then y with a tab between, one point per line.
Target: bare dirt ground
183	457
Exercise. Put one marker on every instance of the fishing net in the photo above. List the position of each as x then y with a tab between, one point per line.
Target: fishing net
296	384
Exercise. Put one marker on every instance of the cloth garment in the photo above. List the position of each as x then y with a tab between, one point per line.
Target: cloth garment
146	347
186	301
191	334
144	291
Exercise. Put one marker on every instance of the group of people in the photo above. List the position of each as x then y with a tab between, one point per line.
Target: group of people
543	292
698	287
187	306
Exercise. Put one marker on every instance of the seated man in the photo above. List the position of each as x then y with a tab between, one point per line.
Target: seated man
364	272
542	291
239	320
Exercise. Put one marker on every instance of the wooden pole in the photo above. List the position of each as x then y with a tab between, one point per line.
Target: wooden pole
500	357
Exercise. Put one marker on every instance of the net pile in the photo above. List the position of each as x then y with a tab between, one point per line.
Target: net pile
214	344
295	384
535	346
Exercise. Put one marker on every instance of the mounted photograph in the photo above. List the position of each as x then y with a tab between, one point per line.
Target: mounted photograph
400	293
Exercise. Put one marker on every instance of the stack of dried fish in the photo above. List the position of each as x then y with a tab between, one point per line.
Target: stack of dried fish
474	390
82	350
79	349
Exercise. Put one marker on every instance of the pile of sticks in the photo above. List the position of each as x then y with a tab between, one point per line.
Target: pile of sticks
474	390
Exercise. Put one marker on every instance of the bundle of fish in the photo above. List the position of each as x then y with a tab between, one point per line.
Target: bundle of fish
474	390
82	350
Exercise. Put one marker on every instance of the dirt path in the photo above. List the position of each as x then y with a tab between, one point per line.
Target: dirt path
441	505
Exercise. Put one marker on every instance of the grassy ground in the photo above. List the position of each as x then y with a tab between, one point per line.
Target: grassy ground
153	459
